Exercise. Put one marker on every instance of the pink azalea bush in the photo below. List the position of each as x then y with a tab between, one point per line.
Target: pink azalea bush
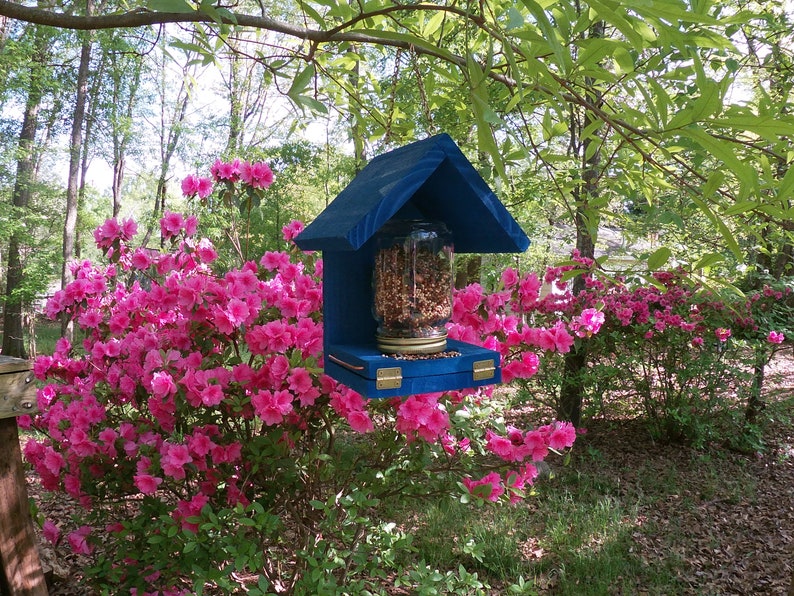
193	424
673	348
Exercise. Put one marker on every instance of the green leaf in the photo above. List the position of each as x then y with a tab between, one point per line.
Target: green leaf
708	102
708	260
626	26
658	258
741	207
309	11
549	35
174	6
708	189
433	24
311	103
723	151
301	81
768	127
624	60
514	18
786	187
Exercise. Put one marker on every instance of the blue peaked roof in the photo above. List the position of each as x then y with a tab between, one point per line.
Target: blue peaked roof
428	179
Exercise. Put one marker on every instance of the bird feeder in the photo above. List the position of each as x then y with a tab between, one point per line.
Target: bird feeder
388	241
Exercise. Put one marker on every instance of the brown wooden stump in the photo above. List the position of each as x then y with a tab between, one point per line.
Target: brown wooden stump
20	569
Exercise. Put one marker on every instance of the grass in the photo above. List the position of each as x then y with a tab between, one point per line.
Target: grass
47	333
574	537
597	527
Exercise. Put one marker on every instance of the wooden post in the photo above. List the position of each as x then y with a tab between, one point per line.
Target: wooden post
20	568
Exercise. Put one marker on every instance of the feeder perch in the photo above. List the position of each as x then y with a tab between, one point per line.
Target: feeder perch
387	242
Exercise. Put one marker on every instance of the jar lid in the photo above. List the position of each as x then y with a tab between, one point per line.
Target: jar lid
412	345
404	227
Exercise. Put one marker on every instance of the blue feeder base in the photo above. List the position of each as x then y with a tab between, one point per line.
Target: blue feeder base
367	370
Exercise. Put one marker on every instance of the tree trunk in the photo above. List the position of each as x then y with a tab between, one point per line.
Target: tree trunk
357	132
791	586
235	106
755	403
121	122
170	135
75	151
13	324
575	361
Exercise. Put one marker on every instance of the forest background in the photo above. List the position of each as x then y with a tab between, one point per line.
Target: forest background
663	127
646	135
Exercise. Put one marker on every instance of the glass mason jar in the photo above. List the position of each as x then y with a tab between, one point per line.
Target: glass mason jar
412	286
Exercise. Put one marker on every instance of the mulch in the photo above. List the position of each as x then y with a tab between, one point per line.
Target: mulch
727	533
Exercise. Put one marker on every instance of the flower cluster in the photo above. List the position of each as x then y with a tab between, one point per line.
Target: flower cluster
517	446
500	320
254	174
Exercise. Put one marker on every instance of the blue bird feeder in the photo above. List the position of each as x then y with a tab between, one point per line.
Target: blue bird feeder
428	186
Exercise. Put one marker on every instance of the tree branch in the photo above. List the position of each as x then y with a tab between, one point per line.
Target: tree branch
141	17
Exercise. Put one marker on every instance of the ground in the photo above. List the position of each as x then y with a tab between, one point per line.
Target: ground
725	518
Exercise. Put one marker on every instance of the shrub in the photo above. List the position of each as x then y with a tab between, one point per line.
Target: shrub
195	427
678	350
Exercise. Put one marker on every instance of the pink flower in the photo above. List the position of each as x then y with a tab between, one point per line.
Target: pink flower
191	185
204	187
509	278
189	509
536	444
53	461
51	532
529	290
191	225
697	342
141	259
271	407
78	541
360	422
588	323
229	172
776	337
561	338
147	483
273	261
174	459
257	175
562	436
501	446
212	395
488	487
722	333
171	224
206	251
163	384
292	229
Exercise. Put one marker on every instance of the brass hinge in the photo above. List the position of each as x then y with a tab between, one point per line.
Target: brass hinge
484	369
389	378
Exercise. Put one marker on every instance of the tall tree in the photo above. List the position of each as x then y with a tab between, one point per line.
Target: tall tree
769	42
587	146
75	153
26	159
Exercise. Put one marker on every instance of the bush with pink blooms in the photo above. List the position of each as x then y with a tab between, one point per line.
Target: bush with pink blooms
192	422
673	351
